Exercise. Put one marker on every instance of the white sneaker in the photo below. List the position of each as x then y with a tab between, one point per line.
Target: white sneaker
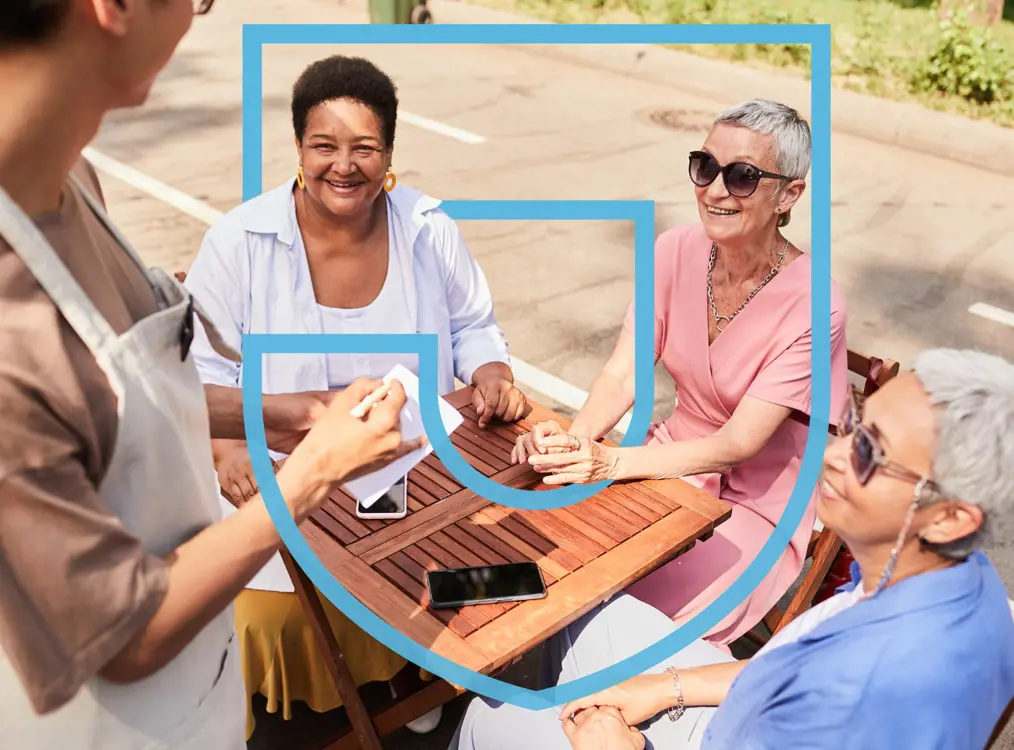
427	722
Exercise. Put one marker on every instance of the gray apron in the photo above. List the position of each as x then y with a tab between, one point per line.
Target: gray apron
161	485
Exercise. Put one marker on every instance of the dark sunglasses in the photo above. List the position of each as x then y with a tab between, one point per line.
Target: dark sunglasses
202	6
741	178
867	454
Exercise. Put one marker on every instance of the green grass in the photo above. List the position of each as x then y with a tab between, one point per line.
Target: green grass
880	47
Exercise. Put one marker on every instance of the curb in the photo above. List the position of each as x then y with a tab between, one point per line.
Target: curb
972	142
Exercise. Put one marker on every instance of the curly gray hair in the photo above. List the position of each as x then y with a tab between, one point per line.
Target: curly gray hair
973	393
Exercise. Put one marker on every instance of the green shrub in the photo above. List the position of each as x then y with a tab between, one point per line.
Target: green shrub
965	62
867	56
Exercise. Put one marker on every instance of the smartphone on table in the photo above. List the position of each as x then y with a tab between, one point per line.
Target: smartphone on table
392	504
485	584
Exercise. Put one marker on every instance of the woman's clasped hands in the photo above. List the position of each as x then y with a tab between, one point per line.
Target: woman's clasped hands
564	457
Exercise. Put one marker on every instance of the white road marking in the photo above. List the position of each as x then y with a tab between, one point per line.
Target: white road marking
528	375
158	190
992	313
440	128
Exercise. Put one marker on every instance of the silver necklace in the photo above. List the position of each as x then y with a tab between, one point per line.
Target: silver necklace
711	295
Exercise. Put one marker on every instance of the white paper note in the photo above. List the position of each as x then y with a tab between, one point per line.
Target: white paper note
367	489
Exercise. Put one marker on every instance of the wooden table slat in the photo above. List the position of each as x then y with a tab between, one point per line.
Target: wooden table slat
414	621
483	552
331	554
433	463
591	526
563	536
428	492
494	440
487	455
417	593
469	455
448	559
701	502
608	520
519	630
332	527
417	525
347	518
640	490
633	513
515	524
488	524
415	562
435	482
649	500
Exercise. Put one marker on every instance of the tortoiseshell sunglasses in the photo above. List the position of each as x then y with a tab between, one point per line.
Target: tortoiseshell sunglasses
867	454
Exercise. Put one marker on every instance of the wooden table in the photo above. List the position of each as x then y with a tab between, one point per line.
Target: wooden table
586	553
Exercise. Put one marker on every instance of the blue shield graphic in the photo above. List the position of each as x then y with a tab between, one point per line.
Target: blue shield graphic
256	346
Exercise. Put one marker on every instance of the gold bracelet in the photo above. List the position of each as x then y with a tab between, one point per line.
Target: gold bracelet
676	712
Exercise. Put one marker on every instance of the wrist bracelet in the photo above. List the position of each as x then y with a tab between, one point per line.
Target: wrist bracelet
676	712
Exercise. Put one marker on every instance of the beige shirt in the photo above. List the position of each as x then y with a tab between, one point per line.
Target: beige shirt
75	586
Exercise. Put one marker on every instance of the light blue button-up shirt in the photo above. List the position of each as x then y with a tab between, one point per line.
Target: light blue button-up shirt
926	664
252	276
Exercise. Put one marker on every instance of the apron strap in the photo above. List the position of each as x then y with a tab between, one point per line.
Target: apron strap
122	241
214	337
37	254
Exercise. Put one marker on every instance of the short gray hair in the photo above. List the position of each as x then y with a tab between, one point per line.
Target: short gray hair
790	132
973	393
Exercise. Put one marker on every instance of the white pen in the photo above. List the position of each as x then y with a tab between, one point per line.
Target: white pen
372	399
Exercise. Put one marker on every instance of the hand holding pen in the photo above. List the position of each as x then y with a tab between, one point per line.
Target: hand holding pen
360	432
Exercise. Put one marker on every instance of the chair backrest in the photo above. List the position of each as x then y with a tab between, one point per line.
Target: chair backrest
875	372
826	545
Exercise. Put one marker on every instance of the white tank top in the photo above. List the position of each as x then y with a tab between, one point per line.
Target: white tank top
388	313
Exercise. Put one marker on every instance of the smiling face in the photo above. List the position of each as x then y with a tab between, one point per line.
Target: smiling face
902	423
732	220
344	157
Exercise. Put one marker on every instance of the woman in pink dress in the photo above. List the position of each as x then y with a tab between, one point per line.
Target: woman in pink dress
732	327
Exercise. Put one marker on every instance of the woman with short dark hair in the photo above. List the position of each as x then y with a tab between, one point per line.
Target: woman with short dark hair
340	248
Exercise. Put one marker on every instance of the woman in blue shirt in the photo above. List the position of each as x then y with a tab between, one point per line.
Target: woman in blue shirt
917	652
339	248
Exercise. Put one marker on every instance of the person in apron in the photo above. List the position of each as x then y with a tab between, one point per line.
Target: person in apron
117	572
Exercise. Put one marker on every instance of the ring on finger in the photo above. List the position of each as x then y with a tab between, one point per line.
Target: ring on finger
577	441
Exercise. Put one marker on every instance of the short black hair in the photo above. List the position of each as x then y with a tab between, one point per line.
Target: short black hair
341	77
30	21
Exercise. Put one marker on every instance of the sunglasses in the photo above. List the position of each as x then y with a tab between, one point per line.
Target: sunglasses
741	179
868	455
202	6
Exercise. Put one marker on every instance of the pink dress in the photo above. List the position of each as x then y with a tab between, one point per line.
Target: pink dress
764	353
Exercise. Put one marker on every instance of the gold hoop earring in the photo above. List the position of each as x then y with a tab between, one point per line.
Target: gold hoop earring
390	182
299	178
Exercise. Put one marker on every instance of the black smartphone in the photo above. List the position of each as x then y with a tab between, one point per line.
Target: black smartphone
392	504
512	582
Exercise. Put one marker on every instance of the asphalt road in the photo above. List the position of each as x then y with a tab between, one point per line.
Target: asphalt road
917	240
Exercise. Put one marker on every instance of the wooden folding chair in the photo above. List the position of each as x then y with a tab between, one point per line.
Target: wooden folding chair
826	550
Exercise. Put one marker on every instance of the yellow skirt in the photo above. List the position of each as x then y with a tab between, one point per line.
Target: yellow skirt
282	662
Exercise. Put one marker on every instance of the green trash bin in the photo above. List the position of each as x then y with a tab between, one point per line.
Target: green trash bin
399	11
